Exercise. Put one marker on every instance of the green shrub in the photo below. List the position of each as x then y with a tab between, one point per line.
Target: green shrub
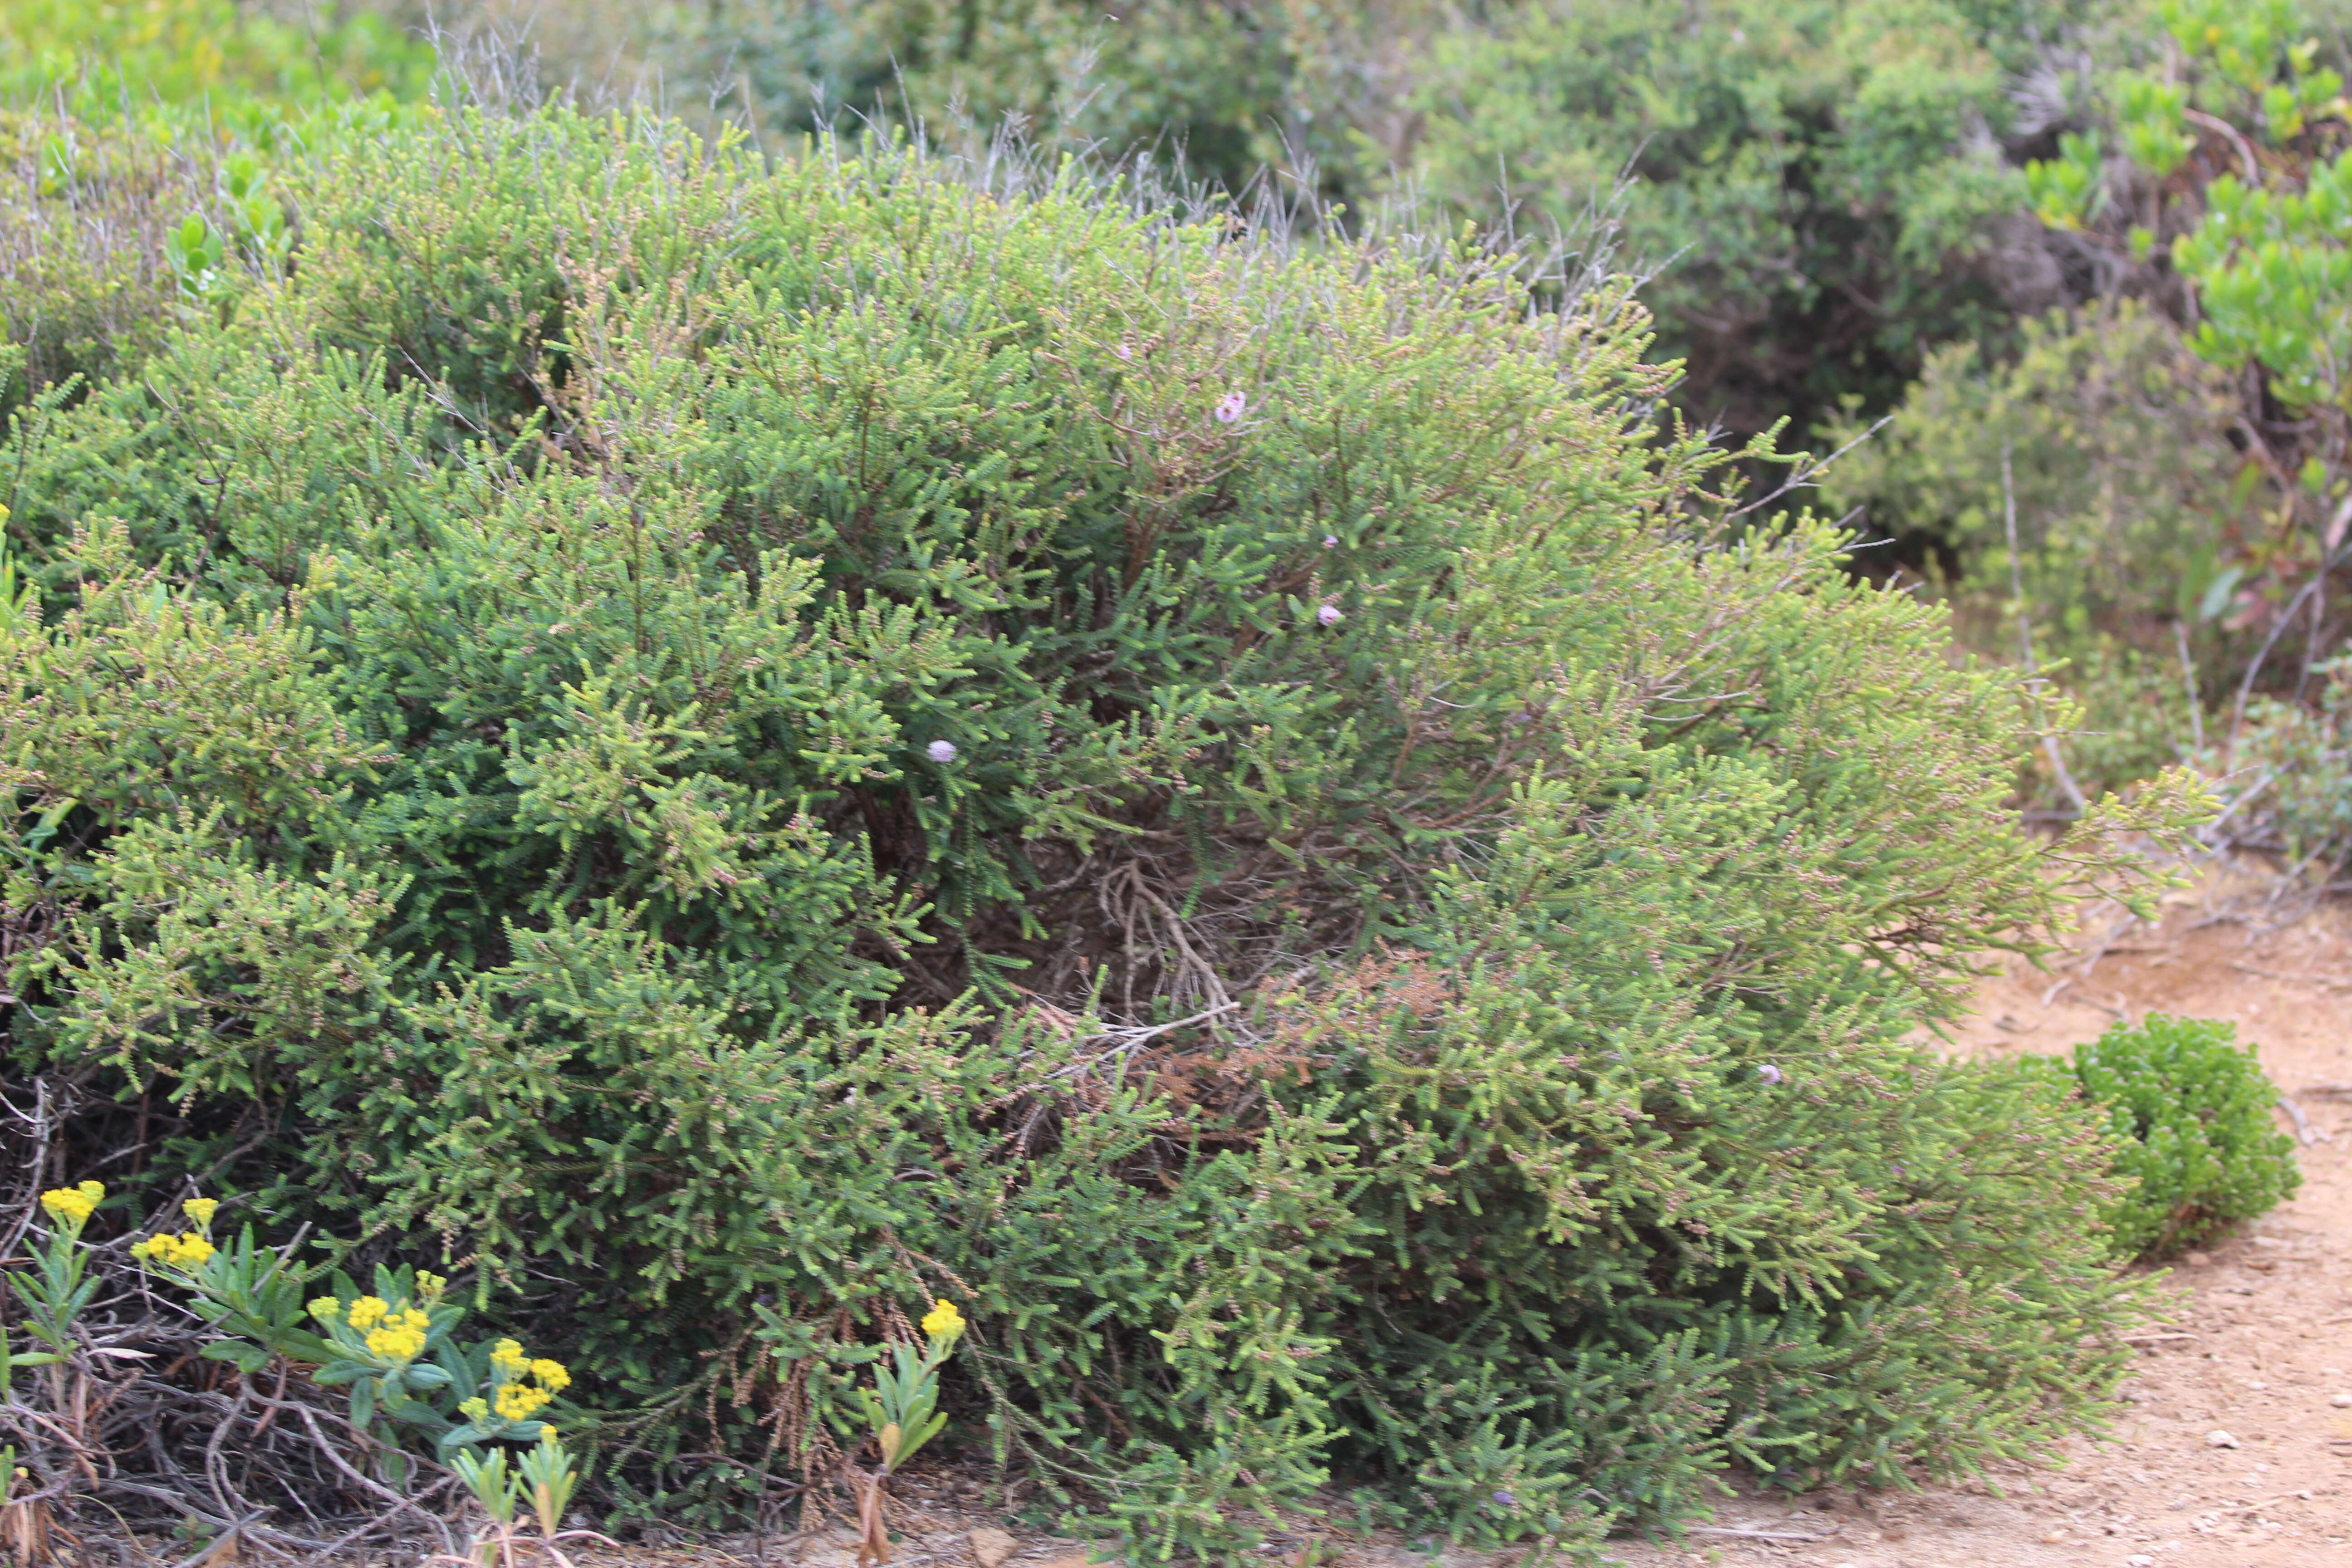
87	288
1210	88
2297	787
2125	486
734	745
1818	184
2173	450
2194	1118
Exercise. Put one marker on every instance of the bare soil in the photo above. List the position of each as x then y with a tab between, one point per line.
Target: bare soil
2235	1449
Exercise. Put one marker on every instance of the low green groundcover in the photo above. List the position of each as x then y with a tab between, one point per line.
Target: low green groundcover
2196	1126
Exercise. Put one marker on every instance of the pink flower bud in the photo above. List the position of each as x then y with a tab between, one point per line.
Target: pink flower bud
1124	352
1768	1073
941	751
1232	408
1330	540
1329	615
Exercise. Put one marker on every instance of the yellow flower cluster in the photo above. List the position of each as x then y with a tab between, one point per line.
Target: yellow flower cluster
201	1210
520	1401
514	1398
402	1335
943	1323
72	1206
396	1333
185	1252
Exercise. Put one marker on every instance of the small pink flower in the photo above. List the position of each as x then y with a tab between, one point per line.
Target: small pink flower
1768	1073
1329	615
1124	352
941	751
1330	540
1232	408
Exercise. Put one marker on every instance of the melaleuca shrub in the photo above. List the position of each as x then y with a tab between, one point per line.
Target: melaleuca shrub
2197	1136
738	746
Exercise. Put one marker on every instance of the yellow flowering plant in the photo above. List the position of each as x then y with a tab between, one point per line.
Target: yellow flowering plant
515	1386
902	1405
244	1290
57	1289
902	1409
376	1344
390	1345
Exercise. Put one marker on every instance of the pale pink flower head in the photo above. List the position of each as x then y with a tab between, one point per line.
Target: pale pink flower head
1124	352
1330	540
1768	1073
1329	615
1232	407
941	751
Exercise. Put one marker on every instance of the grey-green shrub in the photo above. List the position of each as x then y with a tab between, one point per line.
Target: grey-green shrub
742	746
2295	778
2194	1116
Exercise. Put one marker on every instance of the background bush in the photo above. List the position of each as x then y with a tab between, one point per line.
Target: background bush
137	140
206	57
734	745
2195	1127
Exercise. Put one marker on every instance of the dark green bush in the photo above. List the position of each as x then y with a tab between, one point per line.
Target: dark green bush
2195	1122
743	746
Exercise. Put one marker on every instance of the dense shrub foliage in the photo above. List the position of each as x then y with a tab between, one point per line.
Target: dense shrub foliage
732	747
1944	210
2195	1129
137	145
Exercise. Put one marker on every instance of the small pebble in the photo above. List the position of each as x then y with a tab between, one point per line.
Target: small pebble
2218	1438
2139	1560
2342	1401
2197	1259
